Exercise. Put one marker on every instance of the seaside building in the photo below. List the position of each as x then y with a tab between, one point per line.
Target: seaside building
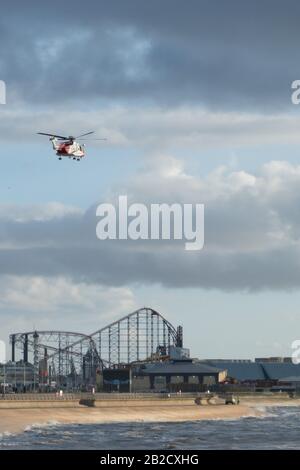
263	373
177	375
18	376
167	376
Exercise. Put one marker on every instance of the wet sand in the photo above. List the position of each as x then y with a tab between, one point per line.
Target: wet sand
15	420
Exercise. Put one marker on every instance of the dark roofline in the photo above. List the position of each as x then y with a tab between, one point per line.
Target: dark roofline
177	368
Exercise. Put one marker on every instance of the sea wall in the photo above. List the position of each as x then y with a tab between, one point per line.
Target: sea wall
25	404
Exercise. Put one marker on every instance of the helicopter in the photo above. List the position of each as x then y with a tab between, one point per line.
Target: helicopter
68	146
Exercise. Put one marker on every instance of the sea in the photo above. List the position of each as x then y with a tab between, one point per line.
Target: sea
278	428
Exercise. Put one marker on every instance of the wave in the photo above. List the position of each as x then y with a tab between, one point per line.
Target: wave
36	426
6	434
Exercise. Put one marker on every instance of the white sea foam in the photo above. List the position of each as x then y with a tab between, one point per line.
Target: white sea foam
250	432
35	426
6	434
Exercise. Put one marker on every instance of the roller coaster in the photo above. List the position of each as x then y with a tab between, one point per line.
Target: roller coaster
74	359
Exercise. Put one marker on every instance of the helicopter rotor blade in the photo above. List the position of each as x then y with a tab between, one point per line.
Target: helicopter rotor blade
53	135
88	133
92	139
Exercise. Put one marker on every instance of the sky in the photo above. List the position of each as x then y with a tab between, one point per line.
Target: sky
194	100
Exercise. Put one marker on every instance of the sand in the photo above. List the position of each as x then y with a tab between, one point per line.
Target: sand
18	420
14	420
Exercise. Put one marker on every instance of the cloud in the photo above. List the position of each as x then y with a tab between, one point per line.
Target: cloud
153	128
251	234
37	212
221	55
29	302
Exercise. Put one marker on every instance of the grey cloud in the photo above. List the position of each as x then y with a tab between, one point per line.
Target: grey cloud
153	129
115	265
251	232
220	54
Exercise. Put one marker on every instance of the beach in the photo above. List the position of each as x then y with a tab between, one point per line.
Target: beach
17	419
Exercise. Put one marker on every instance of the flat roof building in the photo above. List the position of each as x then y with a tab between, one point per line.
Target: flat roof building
175	375
258	371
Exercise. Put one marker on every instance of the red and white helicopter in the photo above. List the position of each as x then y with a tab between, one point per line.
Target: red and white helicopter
68	146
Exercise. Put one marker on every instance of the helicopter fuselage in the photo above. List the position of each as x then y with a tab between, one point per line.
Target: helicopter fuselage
68	149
